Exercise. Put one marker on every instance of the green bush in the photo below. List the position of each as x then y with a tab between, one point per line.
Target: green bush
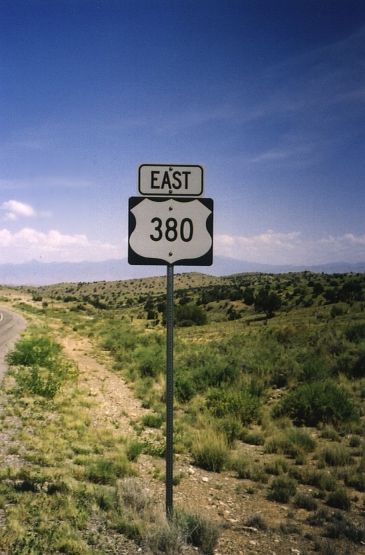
305	501
107	471
41	351
339	499
239	403
301	438
149	360
231	428
152	420
189	315
356	332
276	467
322	480
210	451
40	369
316	402
336	455
198	531
199	368
282	489
355	480
292	442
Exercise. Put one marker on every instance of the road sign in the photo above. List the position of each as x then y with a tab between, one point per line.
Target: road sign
170	180
170	231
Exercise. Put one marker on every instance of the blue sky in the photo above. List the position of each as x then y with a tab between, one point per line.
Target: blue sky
269	96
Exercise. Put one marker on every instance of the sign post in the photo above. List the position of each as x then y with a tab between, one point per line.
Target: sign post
169	390
169	225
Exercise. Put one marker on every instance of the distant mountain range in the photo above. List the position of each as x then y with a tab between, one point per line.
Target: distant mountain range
38	273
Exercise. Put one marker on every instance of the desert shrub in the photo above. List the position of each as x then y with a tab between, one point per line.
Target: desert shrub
356	332
133	450
355	480
257	521
149	360
252	438
355	441
329	432
198	531
152	420
248	471
189	315
322	480
231	428
210	450
199	368
40	369
282	489
305	501
118	338
106	471
165	537
357	370
292	442
339	499
131	493
276	467
341	527
239	403
241	466
184	387
319	518
313	368
302	439
316	402
42	381
40	350
335	455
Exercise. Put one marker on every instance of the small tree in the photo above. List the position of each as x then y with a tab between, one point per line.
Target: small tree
267	301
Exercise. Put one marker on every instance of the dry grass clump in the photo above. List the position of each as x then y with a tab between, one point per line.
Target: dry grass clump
141	520
210	450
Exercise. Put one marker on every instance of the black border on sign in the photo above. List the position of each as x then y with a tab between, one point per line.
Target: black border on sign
170	195
136	259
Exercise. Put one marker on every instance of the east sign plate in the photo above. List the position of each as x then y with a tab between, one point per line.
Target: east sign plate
170	180
170	231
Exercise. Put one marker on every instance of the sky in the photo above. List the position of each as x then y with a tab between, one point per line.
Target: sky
267	95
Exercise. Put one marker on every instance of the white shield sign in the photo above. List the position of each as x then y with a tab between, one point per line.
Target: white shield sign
170	231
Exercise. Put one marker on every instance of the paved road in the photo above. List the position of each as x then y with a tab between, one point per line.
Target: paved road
11	325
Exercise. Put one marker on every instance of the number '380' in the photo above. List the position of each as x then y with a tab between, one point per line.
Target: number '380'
172	230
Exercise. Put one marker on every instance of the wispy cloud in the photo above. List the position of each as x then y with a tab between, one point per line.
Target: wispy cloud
15	210
291	248
53	246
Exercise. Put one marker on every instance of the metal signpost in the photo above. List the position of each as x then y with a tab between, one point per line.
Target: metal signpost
169	225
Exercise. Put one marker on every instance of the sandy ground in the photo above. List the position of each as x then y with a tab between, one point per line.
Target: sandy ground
11	326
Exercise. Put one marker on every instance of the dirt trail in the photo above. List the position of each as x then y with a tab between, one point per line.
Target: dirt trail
114	400
220	497
11	326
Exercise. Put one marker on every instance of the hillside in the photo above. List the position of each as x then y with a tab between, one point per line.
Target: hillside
41	273
269	415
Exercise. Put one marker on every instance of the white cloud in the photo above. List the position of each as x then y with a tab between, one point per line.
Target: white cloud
53	246
15	209
291	248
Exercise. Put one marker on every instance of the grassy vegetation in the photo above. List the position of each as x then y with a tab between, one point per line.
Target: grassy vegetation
275	363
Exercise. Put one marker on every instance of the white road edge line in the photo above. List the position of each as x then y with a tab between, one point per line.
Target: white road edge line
1	316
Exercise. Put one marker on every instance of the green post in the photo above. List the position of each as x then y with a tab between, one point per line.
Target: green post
169	390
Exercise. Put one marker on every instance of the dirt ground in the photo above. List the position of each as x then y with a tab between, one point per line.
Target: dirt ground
221	497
